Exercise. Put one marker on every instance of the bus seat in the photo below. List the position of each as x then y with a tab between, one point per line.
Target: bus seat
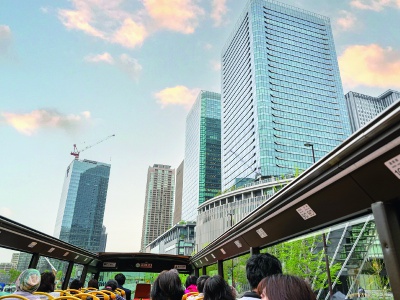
142	291
189	294
110	294
13	296
50	297
100	295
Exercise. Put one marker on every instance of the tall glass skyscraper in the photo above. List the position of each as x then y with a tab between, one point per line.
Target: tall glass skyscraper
202	175
280	89
159	203
363	108
83	199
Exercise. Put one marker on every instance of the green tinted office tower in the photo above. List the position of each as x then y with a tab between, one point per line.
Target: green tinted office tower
202	174
81	210
280	89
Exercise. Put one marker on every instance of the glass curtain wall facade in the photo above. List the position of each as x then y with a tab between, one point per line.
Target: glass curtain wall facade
83	199
280	89
158	206
202	175
363	108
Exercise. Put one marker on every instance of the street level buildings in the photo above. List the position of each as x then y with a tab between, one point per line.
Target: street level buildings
281	88
202	175
363	108
159	203
83	199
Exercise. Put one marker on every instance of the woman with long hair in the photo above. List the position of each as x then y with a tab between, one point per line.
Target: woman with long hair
167	286
283	287
216	288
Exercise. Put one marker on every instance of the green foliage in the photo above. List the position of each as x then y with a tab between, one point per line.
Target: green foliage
380	282
300	258
13	275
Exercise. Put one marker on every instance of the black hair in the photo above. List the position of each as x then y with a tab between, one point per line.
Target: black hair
167	286
111	285
75	284
47	282
120	278
93	283
200	282
261	265
216	288
191	280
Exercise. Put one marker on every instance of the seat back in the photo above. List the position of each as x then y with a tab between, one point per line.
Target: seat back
142	291
189	294
13	296
50	297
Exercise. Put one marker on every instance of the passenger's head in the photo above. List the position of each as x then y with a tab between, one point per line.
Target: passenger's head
200	282
47	282
93	283
191	280
167	286
216	288
261	265
111	285
75	284
282	287
28	281
120	278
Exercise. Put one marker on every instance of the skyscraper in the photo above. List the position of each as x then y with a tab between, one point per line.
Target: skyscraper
159	203
83	199
178	194
202	175
363	108
281	88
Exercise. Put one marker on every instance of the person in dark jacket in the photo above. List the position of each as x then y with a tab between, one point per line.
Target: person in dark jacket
120	278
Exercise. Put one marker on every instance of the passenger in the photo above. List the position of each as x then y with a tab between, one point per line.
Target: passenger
27	283
111	286
283	287
167	286
259	266
47	284
120	278
93	283
200	288
75	284
216	288
191	284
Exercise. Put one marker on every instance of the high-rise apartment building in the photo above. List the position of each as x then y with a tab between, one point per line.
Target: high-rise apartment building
363	108
83	199
202	175
281	88
159	203
178	194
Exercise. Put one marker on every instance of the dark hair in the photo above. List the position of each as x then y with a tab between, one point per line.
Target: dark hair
111	285
281	287
191	280
200	282
93	283
167	286
75	284
216	288
120	278
47	282
261	265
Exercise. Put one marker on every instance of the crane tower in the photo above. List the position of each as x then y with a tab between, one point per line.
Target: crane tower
76	152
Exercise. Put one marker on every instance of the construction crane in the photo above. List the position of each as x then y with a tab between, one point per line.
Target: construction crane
76	152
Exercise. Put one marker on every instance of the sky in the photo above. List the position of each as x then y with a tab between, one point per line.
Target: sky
75	72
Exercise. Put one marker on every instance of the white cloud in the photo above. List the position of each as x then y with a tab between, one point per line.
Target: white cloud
347	20
95	58
30	123
130	66
375	5
178	95
5	40
215	65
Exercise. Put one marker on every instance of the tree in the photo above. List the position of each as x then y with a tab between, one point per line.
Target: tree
13	275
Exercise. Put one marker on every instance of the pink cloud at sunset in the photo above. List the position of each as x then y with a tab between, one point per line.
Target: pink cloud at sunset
95	58
219	10
178	95
370	65
30	123
79	20
130	34
176	15
347	20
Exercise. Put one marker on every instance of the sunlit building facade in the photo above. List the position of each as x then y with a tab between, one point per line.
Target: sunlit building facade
363	108
159	203
281	88
83	199
202	175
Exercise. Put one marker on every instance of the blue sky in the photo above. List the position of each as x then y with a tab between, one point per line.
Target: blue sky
75	72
